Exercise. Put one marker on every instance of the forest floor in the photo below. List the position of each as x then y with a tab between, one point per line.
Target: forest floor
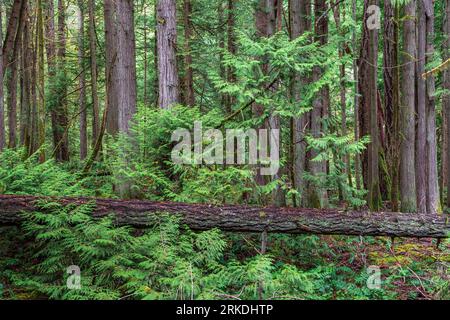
417	263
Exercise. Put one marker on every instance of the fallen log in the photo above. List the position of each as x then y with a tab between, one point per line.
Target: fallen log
246	219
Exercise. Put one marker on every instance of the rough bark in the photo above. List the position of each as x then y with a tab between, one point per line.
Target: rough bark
94	73
244	219
299	22
392	96
357	98
167	59
62	147
25	105
126	64
11	31
364	102
40	82
316	196
126	78
407	121
345	168
50	46
421	106
446	101
12	78
2	106
109	10
188	73
374	146
82	82
369	108
433	199
266	22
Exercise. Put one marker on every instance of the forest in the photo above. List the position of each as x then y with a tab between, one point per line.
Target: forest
224	149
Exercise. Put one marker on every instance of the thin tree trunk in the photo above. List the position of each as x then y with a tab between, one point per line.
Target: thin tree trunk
299	22
433	199
221	41
356	99
231	44
421	131
407	121
94	75
53	101
188	73
446	100
12	78
82	82
374	147
26	66
345	169
316	197
11	101
62	153
167	57
145	56
110	69
40	81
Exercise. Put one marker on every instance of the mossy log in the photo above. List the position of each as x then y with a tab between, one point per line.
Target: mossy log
143	214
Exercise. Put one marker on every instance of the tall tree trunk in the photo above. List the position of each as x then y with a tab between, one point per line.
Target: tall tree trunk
126	77
40	81
167	57
356	99
363	91
11	31
126	64
407	118
421	131
316	196
188	73
145	55
12	78
82	82
392	96
2	106
221	42
62	146
231	44
266	16
54	100
300	13
94	74
26	65
374	146
433	198
110	69
446	100
345	168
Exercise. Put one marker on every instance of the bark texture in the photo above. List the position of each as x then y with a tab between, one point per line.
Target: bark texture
167	59
126	64
299	15
446	102
82	82
244	219
2	107
407	120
